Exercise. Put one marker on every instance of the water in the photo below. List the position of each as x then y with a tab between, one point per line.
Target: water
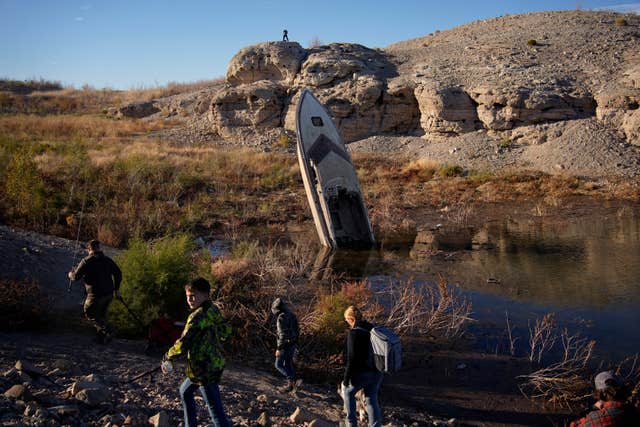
584	267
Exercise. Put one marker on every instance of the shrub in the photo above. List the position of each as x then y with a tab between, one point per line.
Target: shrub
621	22
23	185
532	42
450	170
153	281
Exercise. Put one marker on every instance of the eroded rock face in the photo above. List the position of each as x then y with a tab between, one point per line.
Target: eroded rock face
451	83
275	61
618	106
239	110
504	108
446	110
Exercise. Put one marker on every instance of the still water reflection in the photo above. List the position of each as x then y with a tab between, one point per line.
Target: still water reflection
585	268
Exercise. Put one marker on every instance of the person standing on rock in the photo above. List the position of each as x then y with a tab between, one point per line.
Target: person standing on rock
287	331
102	278
201	342
285	35
359	371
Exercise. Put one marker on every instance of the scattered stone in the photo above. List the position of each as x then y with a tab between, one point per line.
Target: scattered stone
19	392
161	419
64	410
300	415
264	420
94	396
28	368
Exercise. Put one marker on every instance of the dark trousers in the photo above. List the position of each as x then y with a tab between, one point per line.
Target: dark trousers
284	362
95	310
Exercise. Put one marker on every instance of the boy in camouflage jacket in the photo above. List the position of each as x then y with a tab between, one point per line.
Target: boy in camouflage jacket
201	341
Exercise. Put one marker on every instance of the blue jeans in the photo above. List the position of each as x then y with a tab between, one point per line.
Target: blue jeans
370	383
211	395
284	362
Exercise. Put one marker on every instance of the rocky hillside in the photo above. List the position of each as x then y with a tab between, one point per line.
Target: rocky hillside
512	80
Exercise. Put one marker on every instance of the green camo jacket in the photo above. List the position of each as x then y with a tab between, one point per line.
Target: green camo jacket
201	340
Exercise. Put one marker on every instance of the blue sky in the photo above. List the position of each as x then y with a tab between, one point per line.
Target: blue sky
126	44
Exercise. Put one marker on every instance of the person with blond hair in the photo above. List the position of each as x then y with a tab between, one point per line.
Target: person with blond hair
360	372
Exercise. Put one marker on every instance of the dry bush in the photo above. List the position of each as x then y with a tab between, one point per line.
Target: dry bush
438	311
419	170
542	337
563	383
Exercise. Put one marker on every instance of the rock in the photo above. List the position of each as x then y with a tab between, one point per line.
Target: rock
64	410
94	396
300	415
84	384
262	398
319	422
161	419
28	368
239	111
446	110
19	392
136	110
274	61
136	420
64	365
264	420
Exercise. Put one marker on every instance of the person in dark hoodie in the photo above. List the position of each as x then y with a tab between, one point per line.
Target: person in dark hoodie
102	279
359	370
287	338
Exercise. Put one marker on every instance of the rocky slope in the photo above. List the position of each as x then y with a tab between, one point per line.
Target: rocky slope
513	81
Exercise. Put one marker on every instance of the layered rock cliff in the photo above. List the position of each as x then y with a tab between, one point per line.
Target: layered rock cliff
495	75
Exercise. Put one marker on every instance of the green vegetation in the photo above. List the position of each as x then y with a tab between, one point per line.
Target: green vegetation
621	22
532	42
153	278
450	171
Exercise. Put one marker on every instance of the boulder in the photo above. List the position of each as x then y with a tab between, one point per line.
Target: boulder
136	110
19	392
274	61
240	110
94	396
29	368
618	108
446	110
502	108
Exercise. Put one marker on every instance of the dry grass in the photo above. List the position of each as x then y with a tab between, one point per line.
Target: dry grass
65	127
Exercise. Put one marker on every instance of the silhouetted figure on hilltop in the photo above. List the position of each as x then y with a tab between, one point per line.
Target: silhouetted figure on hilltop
285	36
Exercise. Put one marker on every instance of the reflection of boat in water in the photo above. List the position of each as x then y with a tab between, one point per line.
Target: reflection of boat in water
346	264
330	180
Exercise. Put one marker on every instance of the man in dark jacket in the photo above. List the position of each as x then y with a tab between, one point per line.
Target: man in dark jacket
287	332
102	279
359	370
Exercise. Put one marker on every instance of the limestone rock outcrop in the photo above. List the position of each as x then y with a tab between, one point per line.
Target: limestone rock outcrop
275	61
238	111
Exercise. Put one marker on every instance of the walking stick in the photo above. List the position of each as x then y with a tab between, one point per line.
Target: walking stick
144	374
